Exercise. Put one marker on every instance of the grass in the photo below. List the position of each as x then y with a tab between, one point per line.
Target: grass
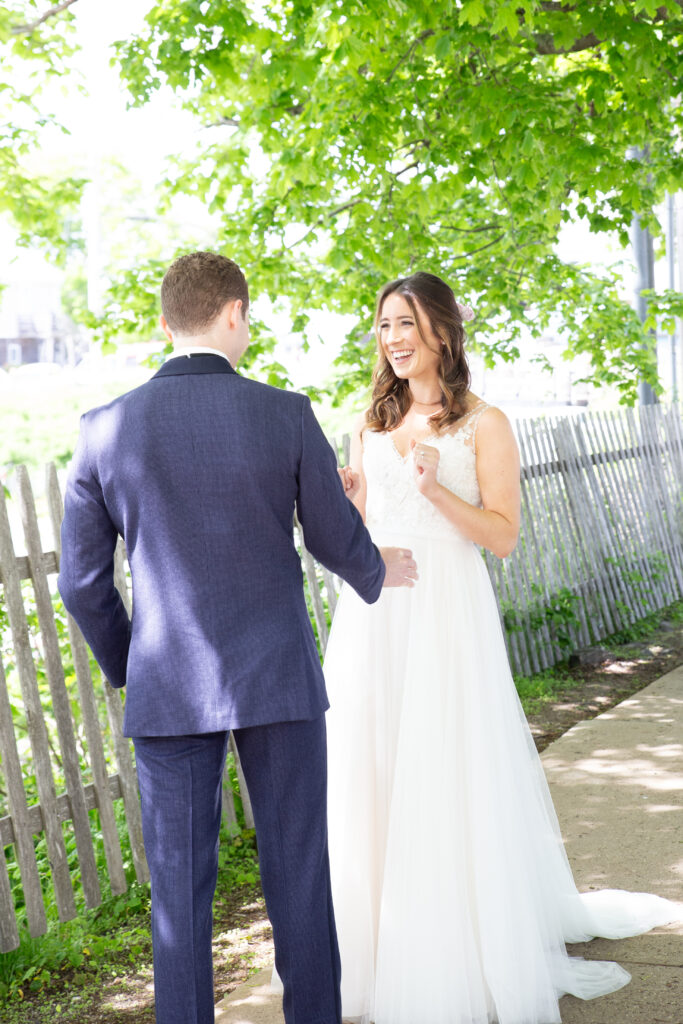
536	690
39	417
109	939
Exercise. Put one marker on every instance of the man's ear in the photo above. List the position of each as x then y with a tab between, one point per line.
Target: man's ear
165	328
234	310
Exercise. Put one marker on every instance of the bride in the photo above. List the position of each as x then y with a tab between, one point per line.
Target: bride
447	860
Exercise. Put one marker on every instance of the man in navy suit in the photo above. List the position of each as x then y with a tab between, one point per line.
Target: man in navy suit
200	471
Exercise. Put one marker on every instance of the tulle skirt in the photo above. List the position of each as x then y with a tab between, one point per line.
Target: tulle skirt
452	891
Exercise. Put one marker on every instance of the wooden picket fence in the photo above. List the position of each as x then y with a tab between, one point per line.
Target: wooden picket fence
601	538
37	725
601	545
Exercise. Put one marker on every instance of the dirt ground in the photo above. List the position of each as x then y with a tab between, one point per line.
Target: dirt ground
627	669
242	934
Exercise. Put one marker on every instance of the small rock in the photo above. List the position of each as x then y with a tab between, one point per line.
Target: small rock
586	657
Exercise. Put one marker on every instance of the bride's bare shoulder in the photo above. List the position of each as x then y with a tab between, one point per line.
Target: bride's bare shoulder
494	418
360	425
493	432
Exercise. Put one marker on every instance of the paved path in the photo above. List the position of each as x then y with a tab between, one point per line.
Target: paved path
617	784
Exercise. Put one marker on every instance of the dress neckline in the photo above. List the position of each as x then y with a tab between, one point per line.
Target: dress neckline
466	419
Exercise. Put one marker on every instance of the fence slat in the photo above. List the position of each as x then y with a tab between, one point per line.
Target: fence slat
563	565
49	560
35	814
585	520
633	606
244	792
600	534
641	511
23	834
655	519
228	804
89	710
665	501
61	707
331	588
672	471
532	515
309	564
9	933
36	723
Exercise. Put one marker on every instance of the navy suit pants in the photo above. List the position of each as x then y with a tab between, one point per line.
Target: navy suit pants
180	779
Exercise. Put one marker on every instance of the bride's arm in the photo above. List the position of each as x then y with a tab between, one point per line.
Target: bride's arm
496	525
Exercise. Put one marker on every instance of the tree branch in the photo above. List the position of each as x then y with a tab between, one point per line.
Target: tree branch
545	44
471	231
328	215
19	30
408	167
464	255
553	5
409	52
231	122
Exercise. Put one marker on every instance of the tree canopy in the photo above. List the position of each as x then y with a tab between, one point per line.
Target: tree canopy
34	50
349	142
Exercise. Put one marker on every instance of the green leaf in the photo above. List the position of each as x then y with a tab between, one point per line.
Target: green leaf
472	12
443	46
506	19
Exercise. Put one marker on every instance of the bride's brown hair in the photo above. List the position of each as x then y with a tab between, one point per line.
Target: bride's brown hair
391	396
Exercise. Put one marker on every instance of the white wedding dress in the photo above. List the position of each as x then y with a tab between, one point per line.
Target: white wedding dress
452	891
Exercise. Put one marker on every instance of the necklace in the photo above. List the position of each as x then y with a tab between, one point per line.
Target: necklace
426	405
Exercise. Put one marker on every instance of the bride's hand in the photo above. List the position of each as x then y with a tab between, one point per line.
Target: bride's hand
425	465
350	480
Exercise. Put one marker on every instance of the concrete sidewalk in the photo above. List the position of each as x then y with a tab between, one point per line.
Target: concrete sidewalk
617	784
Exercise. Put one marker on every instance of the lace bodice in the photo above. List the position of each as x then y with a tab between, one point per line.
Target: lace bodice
393	500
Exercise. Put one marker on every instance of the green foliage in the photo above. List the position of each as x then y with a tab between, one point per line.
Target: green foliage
346	144
637	569
238	864
643	628
115	933
558	612
36	204
116	930
536	690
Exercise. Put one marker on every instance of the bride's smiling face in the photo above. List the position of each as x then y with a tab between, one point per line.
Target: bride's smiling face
411	347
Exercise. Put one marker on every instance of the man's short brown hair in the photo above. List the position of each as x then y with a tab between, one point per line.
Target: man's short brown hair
195	289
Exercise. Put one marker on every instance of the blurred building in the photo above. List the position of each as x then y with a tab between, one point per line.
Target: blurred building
48	338
33	328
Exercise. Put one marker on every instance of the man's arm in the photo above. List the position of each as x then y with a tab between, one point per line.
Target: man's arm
333	528
86	577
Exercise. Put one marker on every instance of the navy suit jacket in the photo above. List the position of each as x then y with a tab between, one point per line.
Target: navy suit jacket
200	471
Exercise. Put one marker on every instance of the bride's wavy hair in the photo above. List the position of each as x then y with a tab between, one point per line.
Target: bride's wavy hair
391	399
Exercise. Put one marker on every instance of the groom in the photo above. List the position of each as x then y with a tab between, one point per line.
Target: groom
200	471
